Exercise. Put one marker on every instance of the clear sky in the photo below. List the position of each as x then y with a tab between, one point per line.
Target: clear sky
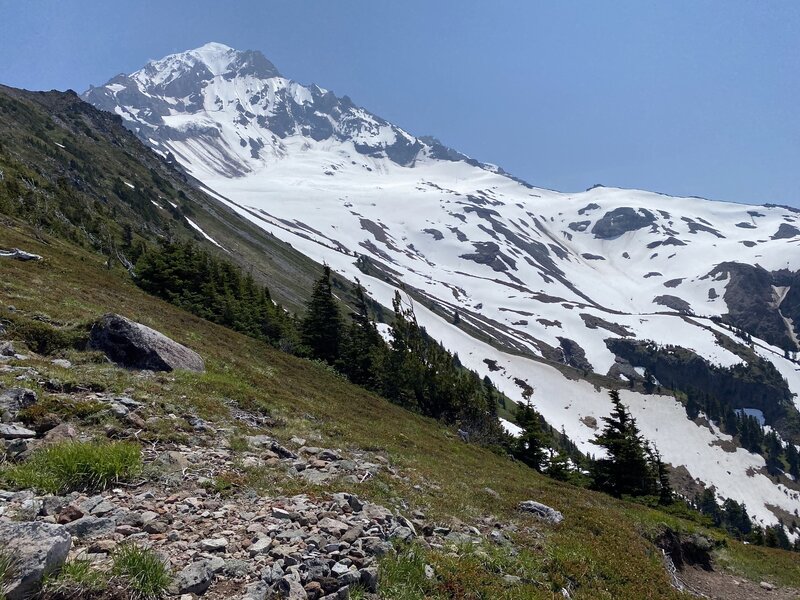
683	97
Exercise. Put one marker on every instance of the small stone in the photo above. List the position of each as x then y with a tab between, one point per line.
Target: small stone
766	586
369	578
260	546
213	544
102	546
289	588
60	433
339	569
256	591
280	513
333	526
217	564
148	516
156	527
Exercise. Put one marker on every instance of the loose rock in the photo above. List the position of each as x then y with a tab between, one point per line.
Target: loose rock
542	511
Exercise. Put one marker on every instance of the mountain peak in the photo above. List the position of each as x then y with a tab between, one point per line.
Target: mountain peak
213	47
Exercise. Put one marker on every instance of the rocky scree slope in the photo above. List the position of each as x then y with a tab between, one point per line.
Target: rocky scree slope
526	284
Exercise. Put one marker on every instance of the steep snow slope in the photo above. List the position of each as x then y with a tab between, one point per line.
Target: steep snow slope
543	276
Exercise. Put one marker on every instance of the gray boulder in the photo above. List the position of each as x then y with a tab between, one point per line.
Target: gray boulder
38	549
14	431
195	578
90	526
542	511
14	400
136	346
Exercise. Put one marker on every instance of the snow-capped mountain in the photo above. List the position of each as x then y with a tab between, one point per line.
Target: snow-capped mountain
550	290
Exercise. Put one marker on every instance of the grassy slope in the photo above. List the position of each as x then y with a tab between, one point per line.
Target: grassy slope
599	547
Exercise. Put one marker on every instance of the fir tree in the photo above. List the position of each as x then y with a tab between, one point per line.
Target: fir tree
626	469
321	329
530	446
362	344
661	472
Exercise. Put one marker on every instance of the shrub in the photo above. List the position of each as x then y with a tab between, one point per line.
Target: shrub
43	338
145	574
76	466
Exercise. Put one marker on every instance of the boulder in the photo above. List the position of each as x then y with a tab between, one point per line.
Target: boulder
196	578
136	346
14	400
38	549
90	526
542	511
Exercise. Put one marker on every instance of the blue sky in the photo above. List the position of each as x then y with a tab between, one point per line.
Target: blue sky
683	97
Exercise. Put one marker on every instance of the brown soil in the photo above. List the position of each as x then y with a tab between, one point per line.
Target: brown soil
719	585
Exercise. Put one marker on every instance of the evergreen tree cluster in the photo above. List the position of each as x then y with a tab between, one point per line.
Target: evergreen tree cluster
752	436
214	289
412	370
733	518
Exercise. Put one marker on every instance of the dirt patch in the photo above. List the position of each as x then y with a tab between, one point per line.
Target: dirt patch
719	585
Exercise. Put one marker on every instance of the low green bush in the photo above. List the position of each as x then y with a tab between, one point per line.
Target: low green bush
46	339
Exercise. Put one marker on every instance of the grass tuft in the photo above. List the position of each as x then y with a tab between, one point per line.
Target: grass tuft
76	466
78	579
145	574
7	567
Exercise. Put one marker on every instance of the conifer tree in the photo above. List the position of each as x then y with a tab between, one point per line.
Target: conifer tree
362	344
321	329
661	472
626	469
530	446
